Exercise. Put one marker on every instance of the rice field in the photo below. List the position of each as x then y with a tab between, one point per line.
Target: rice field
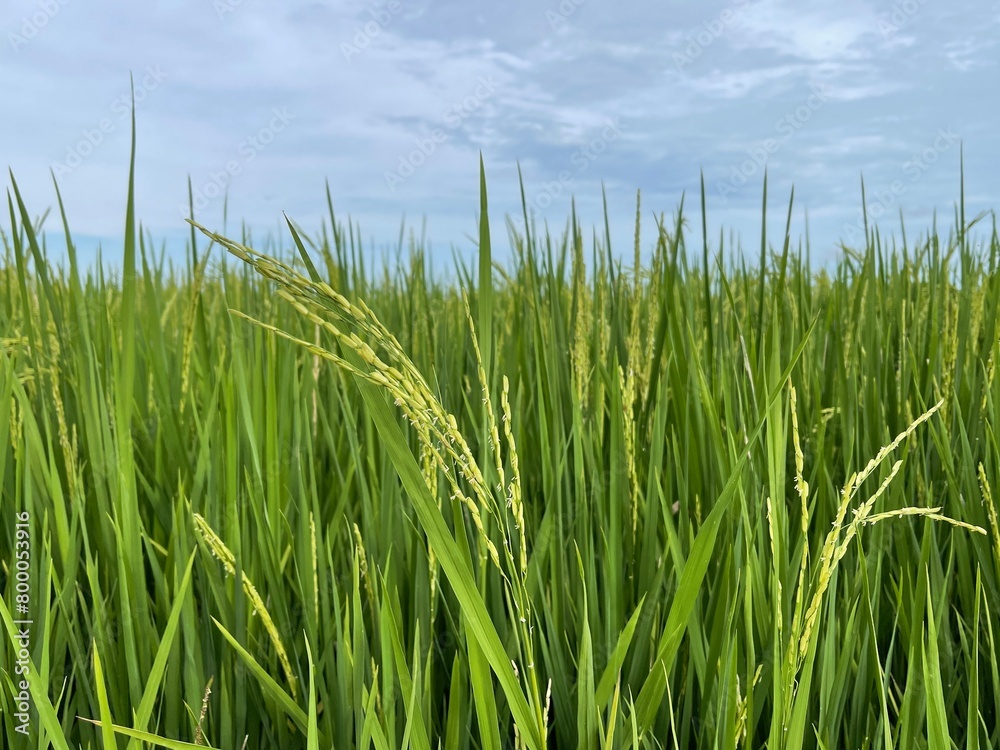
275	496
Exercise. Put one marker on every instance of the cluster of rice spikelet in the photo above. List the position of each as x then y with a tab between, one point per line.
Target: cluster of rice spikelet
437	429
443	447
991	514
222	553
67	438
802	487
581	324
835	547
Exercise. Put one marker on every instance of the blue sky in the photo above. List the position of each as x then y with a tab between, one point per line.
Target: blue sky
393	101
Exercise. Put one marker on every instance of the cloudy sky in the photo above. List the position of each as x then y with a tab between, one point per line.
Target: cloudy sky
392	102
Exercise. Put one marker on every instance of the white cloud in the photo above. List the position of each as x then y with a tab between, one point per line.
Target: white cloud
821	33
554	92
969	53
741	83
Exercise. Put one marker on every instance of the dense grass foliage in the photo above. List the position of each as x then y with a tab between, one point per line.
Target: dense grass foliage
566	502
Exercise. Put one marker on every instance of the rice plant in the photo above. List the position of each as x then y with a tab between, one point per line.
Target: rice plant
278	497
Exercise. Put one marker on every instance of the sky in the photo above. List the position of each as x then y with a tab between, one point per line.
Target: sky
392	103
